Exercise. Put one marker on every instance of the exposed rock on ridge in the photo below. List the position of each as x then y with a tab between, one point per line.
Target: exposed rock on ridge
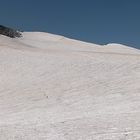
9	32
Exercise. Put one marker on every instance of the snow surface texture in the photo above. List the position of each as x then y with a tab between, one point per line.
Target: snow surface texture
55	88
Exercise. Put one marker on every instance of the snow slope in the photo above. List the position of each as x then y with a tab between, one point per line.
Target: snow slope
55	88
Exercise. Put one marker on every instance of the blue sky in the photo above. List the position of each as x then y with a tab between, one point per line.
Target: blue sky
97	21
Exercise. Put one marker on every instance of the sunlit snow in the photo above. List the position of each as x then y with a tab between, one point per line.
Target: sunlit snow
56	88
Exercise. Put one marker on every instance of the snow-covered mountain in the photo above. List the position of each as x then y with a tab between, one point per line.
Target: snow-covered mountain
56	88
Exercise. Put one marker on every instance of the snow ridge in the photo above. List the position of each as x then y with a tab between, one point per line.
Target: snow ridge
56	88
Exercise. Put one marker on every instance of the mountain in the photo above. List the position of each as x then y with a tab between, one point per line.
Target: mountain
56	88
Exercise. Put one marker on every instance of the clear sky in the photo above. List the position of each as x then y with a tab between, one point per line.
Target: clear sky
97	21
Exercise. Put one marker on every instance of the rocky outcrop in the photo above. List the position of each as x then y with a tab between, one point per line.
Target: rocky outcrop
9	32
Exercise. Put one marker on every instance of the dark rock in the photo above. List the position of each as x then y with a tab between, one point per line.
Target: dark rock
9	32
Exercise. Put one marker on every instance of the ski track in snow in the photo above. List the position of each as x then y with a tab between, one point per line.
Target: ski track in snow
55	88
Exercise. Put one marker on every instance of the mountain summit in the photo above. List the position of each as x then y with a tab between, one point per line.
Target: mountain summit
9	32
56	88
